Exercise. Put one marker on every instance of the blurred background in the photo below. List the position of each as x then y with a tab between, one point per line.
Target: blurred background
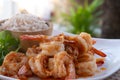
100	18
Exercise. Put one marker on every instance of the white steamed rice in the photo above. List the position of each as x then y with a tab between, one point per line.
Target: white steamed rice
25	22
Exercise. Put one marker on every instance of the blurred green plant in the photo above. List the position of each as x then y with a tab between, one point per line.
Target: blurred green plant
83	18
7	43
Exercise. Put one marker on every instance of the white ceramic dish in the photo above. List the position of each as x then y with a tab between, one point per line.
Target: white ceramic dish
112	63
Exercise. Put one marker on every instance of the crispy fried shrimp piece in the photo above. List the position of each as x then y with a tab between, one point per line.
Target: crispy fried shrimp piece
87	37
48	45
48	48
72	51
76	41
12	63
32	52
60	66
41	38
39	65
75	46
86	65
63	66
86	57
90	42
51	48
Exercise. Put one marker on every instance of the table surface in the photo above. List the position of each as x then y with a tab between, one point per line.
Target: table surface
115	76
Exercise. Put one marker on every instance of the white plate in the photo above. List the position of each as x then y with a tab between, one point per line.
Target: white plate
109	46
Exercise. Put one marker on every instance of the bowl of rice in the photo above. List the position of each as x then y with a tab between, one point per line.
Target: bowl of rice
22	24
27	24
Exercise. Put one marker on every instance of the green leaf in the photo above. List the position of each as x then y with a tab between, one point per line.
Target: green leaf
7	43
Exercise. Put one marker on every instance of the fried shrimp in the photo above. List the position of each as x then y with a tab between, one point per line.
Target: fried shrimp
12	63
87	38
61	57
39	66
51	48
75	46
90	42
63	66
41	38
59	67
48	48
32	52
47	44
85	57
76	41
86	65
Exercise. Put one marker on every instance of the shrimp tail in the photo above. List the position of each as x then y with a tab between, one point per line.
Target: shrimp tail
98	52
